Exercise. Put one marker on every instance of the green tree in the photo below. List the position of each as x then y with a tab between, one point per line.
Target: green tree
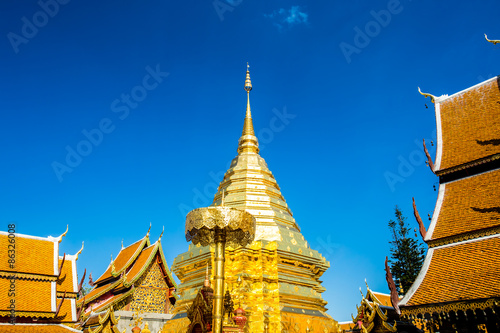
407	252
85	290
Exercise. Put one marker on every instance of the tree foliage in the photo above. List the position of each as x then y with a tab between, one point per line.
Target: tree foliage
407	252
85	290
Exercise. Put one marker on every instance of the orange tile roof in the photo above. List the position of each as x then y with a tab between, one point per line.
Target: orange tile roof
31	296
470	124
461	272
125	258
383	299
34	255
140	255
469	204
36	328
111	301
65	281
346	325
96	292
141	264
65	314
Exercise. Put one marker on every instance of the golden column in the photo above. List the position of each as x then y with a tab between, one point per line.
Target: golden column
218	226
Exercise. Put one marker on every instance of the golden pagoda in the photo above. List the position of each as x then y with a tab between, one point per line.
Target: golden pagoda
275	279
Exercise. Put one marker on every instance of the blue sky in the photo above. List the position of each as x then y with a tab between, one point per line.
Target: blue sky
158	87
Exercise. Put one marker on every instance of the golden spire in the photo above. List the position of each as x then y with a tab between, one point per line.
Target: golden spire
248	141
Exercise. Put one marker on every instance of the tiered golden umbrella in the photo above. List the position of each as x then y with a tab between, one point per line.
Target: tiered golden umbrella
219	226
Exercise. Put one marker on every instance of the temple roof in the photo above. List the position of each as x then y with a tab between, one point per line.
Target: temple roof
468	125
40	288
346	325
458	272
374	313
466	205
380	298
124	259
130	265
36	328
461	265
110	301
29	252
106	323
142	262
68	281
101	290
31	296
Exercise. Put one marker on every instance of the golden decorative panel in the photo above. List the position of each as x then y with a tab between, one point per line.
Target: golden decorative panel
152	293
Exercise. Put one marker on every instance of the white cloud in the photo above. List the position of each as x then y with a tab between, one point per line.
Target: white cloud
288	17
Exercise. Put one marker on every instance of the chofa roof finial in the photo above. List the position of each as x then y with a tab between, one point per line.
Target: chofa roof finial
78	253
59	239
433	98
494	42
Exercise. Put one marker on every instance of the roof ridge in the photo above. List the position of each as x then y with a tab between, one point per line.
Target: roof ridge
443	98
144	266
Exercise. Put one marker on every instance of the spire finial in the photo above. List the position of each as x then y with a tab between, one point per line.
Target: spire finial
248	142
